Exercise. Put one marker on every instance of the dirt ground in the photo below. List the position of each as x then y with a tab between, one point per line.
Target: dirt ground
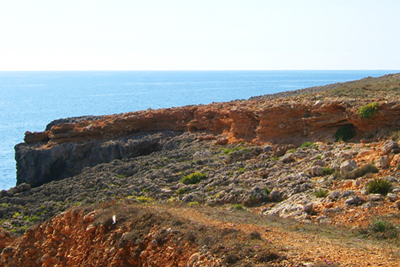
121	234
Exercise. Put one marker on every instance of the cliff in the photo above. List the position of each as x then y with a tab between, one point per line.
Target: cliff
306	178
66	148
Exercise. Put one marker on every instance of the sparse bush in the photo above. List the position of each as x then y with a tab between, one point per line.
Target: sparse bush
321	193
267	191
193	178
381	229
181	191
345	133
144	199
307	144
327	171
238	206
33	218
378	186
368	111
361	171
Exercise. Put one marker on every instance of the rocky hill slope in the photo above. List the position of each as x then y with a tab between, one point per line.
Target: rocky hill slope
90	188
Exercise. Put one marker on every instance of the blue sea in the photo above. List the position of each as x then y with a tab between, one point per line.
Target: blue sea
30	100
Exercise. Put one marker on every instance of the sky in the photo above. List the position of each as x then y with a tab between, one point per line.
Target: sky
199	35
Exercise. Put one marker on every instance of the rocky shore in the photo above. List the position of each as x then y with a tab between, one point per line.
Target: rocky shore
310	155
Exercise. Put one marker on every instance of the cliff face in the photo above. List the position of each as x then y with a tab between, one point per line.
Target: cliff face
37	166
67	148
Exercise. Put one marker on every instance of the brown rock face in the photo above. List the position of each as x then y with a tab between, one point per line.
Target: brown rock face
72	239
280	120
36	137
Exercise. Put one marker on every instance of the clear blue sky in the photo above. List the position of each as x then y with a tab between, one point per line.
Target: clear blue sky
199	34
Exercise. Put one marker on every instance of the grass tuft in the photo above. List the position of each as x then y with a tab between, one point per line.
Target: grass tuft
321	193
193	178
378	186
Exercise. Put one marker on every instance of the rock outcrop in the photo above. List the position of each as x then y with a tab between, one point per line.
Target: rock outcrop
36	166
66	148
290	120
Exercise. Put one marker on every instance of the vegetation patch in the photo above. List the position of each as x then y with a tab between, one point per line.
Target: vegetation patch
381	229
321	193
193	178
344	133
327	171
379	186
238	206
144	199
309	144
359	172
368	111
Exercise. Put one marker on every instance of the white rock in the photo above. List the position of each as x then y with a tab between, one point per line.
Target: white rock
392	197
347	166
384	162
375	197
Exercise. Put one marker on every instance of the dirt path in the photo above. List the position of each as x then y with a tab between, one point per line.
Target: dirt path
303	247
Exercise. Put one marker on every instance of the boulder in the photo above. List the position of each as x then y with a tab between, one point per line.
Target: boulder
388	147
384	162
357	201
347	166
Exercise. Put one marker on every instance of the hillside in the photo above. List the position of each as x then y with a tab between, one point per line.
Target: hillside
306	178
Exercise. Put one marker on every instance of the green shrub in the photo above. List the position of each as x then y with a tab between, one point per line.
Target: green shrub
238	206
321	193
33	218
307	144
381	229
368	111
361	171
193	178
327	171
345	133
378	186
267	191
144	199
181	191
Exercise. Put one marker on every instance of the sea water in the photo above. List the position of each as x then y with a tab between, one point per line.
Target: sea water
30	100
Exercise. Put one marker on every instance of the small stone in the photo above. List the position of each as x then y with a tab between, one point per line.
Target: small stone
388	146
392	197
357	200
396	190
334	195
375	197
347	193
267	149
397	204
384	162
308	208
288	158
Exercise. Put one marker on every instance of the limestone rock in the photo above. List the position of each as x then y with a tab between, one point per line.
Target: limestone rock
347	166
388	146
392	197
384	162
357	201
289	157
375	197
39	166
